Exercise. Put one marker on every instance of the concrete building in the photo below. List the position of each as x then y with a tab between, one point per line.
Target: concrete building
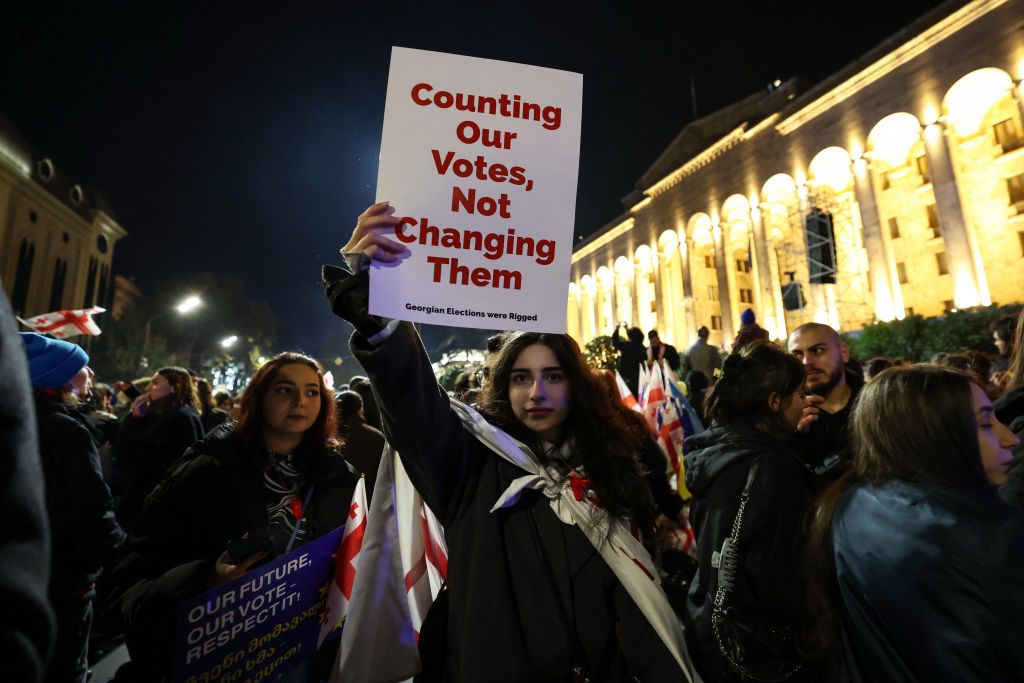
57	237
903	173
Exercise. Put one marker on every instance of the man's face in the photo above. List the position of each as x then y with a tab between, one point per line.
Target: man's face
654	340
823	359
1001	346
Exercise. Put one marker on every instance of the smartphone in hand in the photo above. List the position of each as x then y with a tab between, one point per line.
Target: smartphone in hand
240	549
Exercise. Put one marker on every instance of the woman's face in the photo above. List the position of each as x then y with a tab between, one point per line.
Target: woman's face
994	439
292	403
158	388
793	408
81	384
539	391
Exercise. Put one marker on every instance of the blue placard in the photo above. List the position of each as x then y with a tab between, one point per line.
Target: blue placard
261	625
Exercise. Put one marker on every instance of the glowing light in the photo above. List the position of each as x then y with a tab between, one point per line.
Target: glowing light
860	166
930	115
623	269
668	240
700	230
970	98
228	342
735	208
605	278
831	167
779	189
188	305
892	138
588	286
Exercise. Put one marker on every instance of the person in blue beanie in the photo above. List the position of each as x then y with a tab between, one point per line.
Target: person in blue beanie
79	505
749	331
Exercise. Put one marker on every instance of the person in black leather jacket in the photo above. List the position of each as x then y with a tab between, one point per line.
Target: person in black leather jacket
278	474
756	403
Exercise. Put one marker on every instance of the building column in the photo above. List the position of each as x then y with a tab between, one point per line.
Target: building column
766	283
635	291
966	287
724	286
659	292
883	285
689	317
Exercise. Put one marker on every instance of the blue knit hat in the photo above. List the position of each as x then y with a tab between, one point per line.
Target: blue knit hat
747	317
52	362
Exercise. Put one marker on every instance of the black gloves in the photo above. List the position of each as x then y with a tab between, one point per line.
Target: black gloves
350	299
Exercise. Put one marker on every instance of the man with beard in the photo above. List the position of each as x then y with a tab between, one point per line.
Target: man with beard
823	440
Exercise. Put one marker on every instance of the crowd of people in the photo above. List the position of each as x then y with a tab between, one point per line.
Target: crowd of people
852	522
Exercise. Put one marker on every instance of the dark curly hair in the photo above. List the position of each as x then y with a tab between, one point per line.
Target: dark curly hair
601	439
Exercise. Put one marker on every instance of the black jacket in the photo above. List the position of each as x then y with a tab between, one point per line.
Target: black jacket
26	616
631	355
84	530
931	582
1008	408
144	448
215	493
825	447
772	537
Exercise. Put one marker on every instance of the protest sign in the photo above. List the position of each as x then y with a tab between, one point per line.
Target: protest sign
480	159
260	625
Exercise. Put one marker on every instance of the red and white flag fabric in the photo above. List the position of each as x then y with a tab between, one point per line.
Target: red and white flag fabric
627	397
62	324
653	398
643	380
346	561
404	564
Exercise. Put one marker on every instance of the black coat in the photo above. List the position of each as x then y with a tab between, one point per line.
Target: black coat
26	616
84	530
773	535
502	622
631	355
931	582
144	448
825	447
213	494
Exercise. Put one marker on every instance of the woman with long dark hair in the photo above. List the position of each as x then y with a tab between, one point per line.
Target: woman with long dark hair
917	566
275	478
749	487
164	421
536	495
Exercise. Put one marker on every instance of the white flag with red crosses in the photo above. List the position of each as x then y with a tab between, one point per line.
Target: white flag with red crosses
62	324
339	594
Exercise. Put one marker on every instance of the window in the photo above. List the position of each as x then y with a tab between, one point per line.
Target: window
713	292
885	180
933	220
921	163
60	273
708	261
940	263
901	272
746	296
22	276
894	228
716	322
1015	188
742	266
90	282
1008	135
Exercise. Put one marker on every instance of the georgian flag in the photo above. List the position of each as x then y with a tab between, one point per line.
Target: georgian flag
652	398
61	324
626	395
339	593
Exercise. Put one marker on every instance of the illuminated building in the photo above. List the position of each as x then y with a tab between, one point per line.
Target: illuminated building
907	165
57	237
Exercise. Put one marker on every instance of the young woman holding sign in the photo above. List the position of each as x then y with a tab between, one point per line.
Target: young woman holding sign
241	495
537	496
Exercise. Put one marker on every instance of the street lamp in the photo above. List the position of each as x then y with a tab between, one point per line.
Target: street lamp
183	307
228	342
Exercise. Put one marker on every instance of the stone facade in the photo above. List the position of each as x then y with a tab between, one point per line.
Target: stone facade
914	154
57	238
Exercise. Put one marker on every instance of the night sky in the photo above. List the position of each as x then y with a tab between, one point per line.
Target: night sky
243	140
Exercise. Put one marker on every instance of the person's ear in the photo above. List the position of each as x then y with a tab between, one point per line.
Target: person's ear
844	352
775	401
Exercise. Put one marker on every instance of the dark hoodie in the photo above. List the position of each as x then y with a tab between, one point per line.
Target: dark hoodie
772	537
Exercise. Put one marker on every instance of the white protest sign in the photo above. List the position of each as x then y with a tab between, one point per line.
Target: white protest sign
480	160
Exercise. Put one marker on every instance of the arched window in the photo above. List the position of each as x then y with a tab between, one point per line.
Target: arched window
60	273
22	276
